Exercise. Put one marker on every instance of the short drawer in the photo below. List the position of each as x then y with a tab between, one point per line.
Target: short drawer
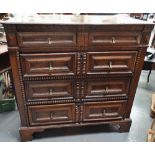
109	110
51	114
114	38
49	90
111	62
106	87
47	39
53	64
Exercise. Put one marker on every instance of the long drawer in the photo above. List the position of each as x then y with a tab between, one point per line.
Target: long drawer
99	111
111	62
53	64
47	39
51	114
49	90
106	87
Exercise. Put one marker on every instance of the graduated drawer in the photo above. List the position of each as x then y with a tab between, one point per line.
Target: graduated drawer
51	114
49	90
106	87
107	110
111	62
47	39
53	64
114	38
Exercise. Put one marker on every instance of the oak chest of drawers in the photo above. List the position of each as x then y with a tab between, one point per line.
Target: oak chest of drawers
75	71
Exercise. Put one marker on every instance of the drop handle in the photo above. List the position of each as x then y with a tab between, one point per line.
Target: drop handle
49	41
110	64
50	67
50	91
106	90
51	115
113	40
103	112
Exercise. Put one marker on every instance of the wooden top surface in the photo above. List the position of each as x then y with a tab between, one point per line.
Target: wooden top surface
75	19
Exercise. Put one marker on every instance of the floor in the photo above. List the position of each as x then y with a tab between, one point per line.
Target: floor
141	122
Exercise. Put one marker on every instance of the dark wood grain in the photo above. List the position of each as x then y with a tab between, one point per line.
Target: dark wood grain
52	114
76	74
53	64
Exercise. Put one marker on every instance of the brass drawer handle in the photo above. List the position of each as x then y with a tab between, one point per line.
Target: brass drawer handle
51	115
50	91
110	64
106	89
50	67
49	41
104	111
113	40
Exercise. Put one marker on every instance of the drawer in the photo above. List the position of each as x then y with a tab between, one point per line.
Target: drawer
51	114
106	87
110	110
114	38
47	39
49	90
111	62
53	64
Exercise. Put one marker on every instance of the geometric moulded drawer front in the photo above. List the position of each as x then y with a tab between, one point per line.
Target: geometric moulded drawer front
49	90
47	39
51	114
111	62
114	38
106	87
109	110
53	64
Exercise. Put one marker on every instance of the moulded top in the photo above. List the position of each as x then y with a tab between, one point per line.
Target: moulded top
75	19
